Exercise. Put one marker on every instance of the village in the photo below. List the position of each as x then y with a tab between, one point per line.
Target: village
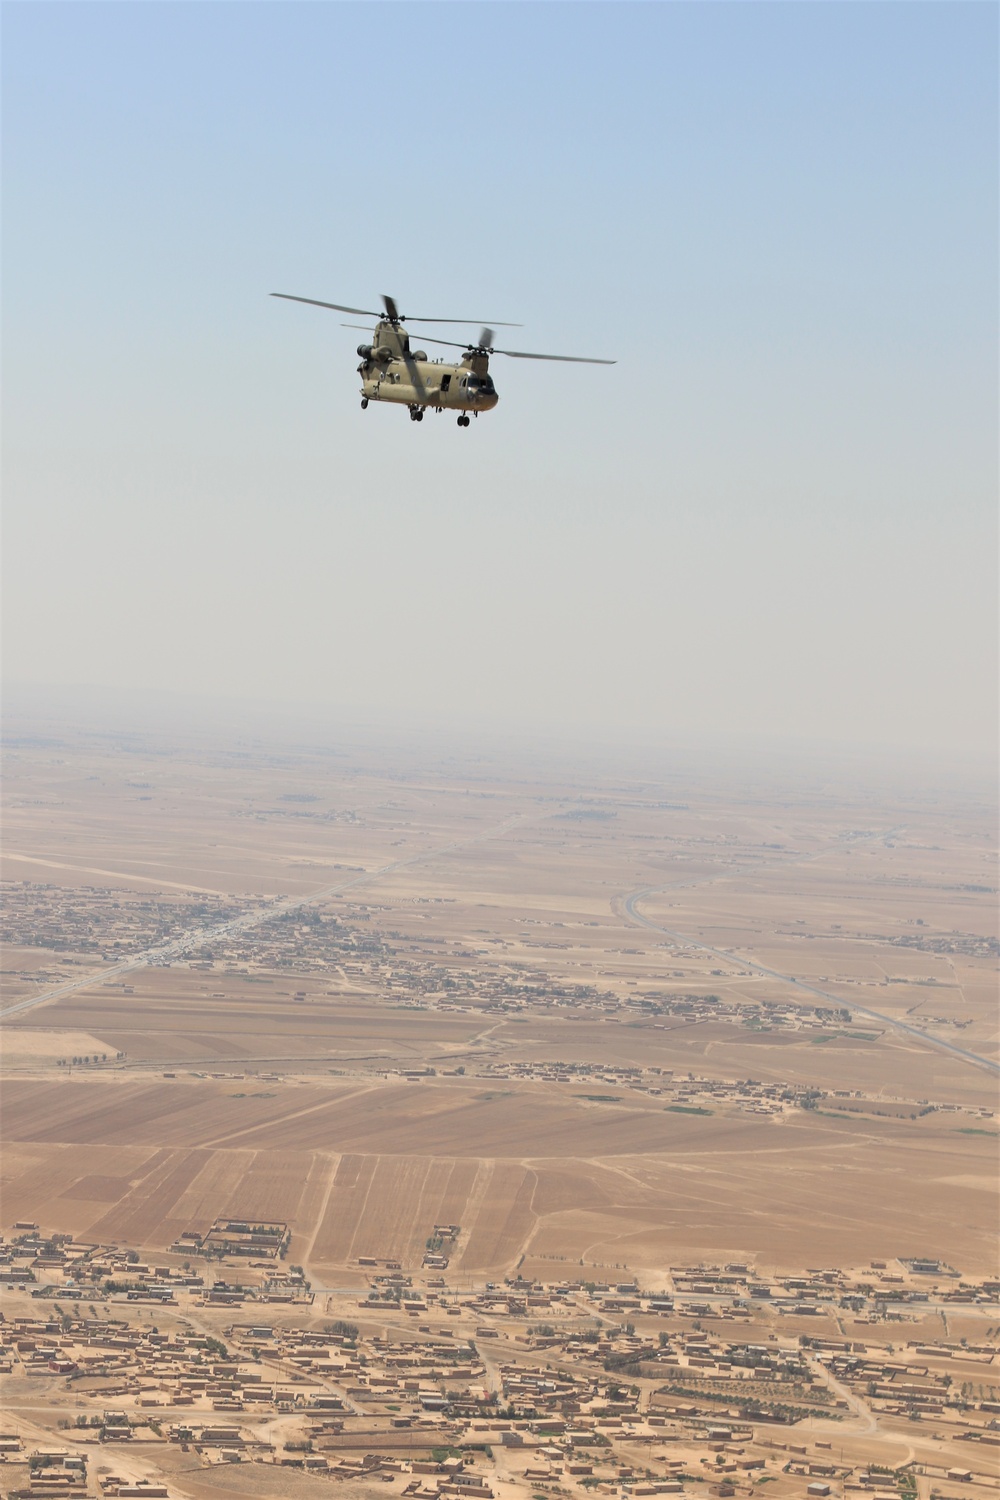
357	947
709	1384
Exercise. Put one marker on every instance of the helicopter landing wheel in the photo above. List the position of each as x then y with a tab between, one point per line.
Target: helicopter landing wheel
364	403
463	421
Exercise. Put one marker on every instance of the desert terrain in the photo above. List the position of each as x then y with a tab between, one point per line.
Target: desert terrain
635	1030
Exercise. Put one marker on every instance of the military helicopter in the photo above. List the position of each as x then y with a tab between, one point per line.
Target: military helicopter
391	371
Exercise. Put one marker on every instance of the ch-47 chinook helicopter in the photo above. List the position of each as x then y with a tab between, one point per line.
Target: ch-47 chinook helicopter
391	371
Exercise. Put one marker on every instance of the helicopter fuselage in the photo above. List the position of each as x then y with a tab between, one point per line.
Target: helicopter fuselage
391	371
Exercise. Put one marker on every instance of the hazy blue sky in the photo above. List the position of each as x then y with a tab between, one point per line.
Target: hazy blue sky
775	515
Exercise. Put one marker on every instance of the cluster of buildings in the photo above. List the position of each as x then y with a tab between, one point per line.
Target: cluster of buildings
699	1093
93	920
32	1260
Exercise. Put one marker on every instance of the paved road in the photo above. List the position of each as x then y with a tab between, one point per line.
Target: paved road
213	932
972	1058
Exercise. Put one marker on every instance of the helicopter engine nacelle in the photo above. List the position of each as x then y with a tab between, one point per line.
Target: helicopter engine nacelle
419	354
365	351
384	353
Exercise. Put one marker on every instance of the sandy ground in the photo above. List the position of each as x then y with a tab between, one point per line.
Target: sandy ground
579	968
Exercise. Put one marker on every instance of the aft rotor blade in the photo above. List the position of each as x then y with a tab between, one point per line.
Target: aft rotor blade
362	312
570	359
566	359
422	337
450	343
391	310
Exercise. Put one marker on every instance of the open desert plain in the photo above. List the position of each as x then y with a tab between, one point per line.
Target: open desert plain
463	1122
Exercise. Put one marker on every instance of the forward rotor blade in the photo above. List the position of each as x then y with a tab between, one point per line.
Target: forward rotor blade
362	312
391	311
566	359
470	322
485	338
